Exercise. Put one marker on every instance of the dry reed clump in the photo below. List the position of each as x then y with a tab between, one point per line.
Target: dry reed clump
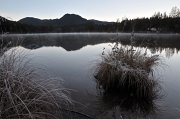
127	70
23	96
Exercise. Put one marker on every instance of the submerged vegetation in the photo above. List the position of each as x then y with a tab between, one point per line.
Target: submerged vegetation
23	95
125	77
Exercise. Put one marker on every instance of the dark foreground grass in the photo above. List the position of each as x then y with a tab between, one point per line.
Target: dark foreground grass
125	79
129	70
23	95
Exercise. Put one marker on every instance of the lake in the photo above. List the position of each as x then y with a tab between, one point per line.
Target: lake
73	57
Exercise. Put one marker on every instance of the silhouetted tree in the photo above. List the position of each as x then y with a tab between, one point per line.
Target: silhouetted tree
175	12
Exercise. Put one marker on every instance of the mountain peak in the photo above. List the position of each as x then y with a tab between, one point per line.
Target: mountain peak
72	19
71	15
66	20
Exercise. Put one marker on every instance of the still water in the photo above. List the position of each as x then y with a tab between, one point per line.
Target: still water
74	57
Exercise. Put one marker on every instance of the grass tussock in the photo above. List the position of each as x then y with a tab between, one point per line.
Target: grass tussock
127	70
23	95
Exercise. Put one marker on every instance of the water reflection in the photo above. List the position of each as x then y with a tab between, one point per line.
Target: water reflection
74	68
73	41
169	52
67	41
128	105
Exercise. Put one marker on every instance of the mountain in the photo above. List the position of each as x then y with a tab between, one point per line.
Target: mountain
8	26
31	21
72	19
67	23
66	20
76	23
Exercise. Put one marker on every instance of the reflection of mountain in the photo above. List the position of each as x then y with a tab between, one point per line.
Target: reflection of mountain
74	41
67	41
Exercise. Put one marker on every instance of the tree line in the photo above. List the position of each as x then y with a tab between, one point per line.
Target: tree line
159	22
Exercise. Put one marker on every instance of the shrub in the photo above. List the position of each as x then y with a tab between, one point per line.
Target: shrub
129	70
125	79
23	95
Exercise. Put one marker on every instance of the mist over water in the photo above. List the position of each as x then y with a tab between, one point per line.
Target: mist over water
73	57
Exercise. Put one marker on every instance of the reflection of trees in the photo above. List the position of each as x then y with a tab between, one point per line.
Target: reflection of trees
153	50
128	105
156	43
169	52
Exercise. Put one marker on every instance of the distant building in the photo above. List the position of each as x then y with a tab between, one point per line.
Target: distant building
154	30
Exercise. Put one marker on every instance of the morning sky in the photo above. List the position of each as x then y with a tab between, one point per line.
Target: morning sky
106	10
